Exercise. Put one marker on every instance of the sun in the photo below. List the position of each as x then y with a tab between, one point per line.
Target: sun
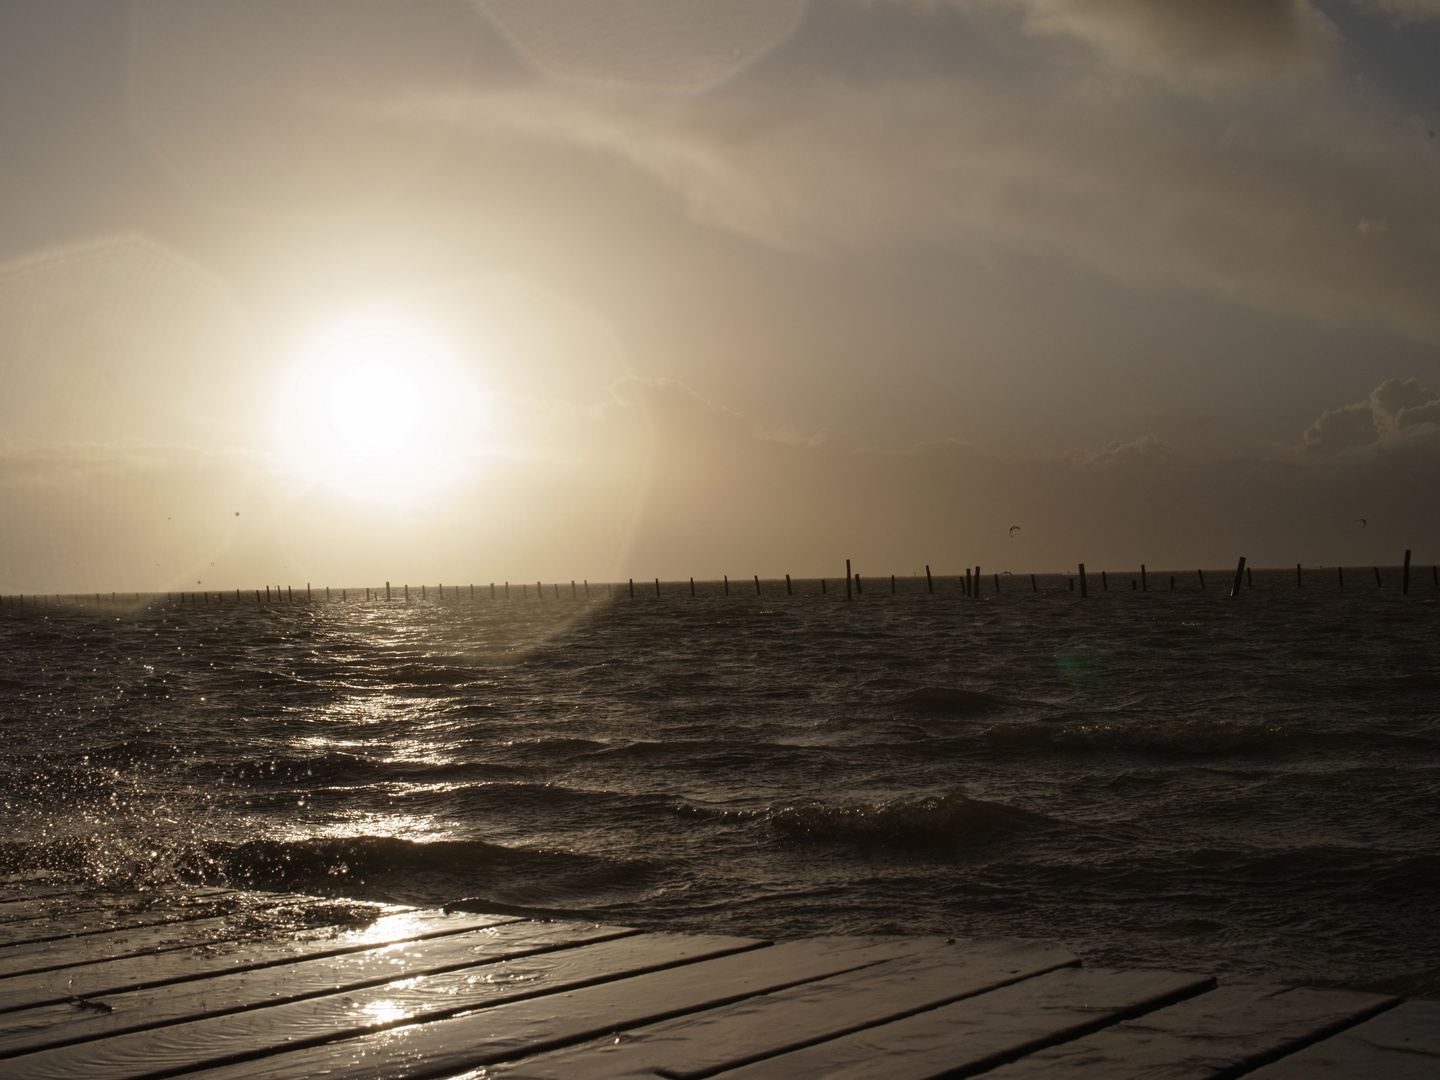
379	406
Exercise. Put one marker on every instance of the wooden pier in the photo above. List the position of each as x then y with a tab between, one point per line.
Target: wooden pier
228	984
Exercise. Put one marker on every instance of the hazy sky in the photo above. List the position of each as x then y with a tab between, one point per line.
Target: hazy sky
348	290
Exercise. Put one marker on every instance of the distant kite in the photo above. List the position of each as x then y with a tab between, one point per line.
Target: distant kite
1363	522
1013	530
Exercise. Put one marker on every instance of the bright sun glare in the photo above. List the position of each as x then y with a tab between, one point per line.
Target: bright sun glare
379	407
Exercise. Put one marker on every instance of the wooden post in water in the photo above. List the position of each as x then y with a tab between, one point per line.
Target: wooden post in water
757	584
573	594
1104	582
492	590
1340	571
289	595
307	592
507	590
1378	582
692	586
1405	575
586	582
632	588
929	581
848	582
1299	581
787	585
822	586
657	586
977	583
967	581
1084	585
859	588
892	584
1144	581
1172	582
997	583
1239	577
1249	579
1033	586
387	590
1201	574
726	577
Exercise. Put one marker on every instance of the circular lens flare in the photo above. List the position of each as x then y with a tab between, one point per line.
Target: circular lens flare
379	407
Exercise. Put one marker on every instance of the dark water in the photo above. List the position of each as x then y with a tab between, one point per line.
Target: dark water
1169	778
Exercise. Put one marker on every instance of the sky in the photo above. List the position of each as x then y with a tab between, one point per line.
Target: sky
451	291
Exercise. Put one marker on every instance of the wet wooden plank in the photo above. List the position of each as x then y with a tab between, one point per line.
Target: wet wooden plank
106	1015
724	1038
255	915
1225	1031
247	1034
977	1033
1402	1043
102	920
70	904
162	969
514	1030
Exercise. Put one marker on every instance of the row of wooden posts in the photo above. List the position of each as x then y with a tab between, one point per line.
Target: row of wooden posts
854	586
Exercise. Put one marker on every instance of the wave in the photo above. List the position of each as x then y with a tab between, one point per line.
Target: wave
924	821
949	701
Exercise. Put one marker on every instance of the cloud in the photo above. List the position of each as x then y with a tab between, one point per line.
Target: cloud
1194	41
1254	195
1403	10
1396	409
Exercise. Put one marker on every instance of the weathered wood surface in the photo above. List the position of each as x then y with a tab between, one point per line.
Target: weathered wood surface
293	988
1401	1044
239	954
1223	1033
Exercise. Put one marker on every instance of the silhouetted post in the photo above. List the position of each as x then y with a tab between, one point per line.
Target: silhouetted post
407	594
237	596
1104	582
586	582
472	590
1378	582
539	591
1405	575
859	588
307	593
257	595
1299	581
997	583
892	584
492	590
727	583
1239	577
289	595
1084	585
929	581
657	586
573	594
692	586
977	583
609	591
507	590
327	592
387	590
1144	581
787	585
967	581
1340	572
1033	586
847	580
1249	579
632	588
757	584
1172	582
822	586
524	592
1201	574
1132	585
557	590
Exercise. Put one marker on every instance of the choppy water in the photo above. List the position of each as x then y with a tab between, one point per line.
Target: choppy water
1171	778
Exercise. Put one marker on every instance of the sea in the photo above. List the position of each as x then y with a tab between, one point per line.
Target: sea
1168	777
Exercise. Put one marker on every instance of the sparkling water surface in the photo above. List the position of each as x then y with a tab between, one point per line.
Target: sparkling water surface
1169	778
